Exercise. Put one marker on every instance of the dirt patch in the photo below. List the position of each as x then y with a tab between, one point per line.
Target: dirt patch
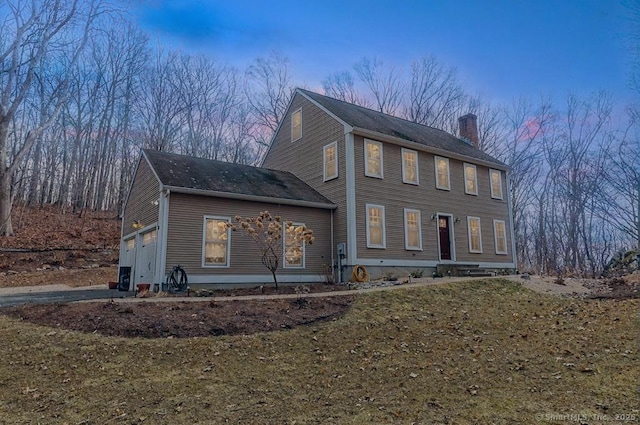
183	319
270	290
71	277
49	237
615	287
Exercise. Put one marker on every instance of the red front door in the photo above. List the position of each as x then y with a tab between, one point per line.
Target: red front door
445	242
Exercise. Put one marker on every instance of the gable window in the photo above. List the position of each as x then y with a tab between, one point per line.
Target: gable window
294	246
470	179
412	230
496	183
376	237
500	234
442	173
373	159
296	125
330	160
409	166
216	242
475	238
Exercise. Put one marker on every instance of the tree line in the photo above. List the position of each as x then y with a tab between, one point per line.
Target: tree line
83	89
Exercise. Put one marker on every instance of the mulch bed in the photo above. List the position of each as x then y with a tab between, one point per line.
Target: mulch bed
183	319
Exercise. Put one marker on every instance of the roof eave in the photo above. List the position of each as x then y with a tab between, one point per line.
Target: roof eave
254	198
449	154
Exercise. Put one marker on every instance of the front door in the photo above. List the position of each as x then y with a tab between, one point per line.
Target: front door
445	241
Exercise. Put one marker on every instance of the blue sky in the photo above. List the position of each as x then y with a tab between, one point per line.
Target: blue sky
501	48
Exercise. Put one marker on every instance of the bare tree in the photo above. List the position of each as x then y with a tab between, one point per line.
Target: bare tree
385	84
268	91
36	33
341	85
621	208
435	95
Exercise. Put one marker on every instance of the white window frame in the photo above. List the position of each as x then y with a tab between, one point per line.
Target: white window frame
493	172
284	248
466	181
333	145
439	185
293	138
406	230
204	242
404	167
471	249
495	236
383	225
368	172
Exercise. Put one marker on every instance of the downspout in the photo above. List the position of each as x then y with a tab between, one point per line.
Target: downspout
161	247
333	258
351	198
511	222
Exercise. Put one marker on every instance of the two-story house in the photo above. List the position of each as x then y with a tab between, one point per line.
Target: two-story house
377	190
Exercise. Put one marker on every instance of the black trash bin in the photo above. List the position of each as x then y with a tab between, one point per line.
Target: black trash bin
124	278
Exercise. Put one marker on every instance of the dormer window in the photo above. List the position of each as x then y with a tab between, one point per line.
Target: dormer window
296	125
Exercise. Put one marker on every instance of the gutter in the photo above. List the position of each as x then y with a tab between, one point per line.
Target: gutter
254	198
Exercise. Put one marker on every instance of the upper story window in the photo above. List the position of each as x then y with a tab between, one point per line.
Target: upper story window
216	242
412	230
475	237
442	173
294	246
500	233
495	177
373	159
470	179
296	125
409	166
330	161
376	237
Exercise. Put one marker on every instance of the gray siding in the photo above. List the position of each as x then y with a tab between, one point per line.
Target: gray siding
395	195
184	236
140	204
304	157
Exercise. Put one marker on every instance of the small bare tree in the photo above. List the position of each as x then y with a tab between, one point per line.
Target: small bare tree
267	231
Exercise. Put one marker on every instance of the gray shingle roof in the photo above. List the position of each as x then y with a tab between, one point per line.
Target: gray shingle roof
186	172
368	119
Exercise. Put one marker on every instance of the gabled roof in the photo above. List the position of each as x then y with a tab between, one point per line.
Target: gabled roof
181	173
361	118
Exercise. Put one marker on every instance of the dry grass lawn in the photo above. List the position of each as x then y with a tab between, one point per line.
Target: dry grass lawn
487	352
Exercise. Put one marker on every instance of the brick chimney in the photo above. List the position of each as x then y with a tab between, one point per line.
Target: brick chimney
468	125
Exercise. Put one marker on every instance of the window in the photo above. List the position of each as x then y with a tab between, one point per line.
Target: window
375	227
496	183
131	244
475	238
149	237
293	246
409	166
412	230
373	159
499	231
216	242
330	159
470	179
296	125
442	173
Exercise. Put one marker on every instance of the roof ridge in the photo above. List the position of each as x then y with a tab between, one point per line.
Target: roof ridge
377	112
